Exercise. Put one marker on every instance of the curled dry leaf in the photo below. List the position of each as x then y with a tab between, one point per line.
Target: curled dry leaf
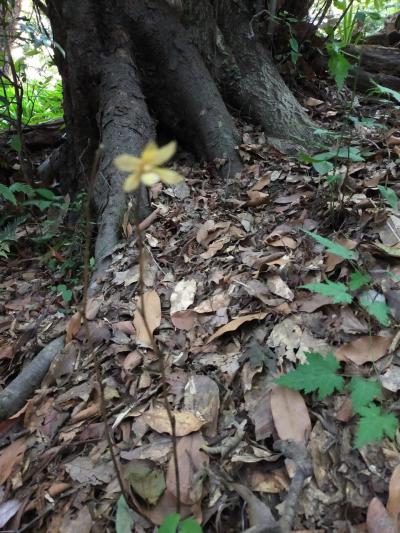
256	198
73	326
152	311
185	421
366	349
235	323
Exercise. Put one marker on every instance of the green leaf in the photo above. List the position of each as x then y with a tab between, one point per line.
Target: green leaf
146	480
358	280
389	195
374	425
24	188
65	292
318	375
7	194
376	308
322	167
363	392
46	194
170	524
380	89
332	247
339	68
15	143
190	526
337	291
394	252
334	178
350	152
124	519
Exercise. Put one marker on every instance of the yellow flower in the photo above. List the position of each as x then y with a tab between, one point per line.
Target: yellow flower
145	169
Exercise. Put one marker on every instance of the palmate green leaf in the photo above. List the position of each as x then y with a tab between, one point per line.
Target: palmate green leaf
363	392
376	308
374	425
358	280
331	246
335	290
318	375
124	519
389	195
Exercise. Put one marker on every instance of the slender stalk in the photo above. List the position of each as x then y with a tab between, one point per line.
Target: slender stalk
160	357
91	349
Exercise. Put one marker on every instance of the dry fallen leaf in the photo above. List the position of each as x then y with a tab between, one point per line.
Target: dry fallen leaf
393	503
235	323
378	519
366	349
10	457
93	306
152	310
185	320
185	421
256	198
202	397
183	295
290	414
191	464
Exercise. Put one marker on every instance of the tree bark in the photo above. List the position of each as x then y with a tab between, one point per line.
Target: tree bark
130	65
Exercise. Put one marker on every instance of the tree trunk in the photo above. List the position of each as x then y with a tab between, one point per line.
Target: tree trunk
129	65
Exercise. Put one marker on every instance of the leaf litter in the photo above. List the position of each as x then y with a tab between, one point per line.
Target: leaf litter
227	271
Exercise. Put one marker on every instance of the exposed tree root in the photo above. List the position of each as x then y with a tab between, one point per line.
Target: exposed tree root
15	395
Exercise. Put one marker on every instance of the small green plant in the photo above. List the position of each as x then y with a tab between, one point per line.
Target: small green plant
373	302
390	196
320	374
63	291
174	524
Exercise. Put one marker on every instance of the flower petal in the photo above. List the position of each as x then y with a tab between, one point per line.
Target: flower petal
150	178
164	153
126	163
132	182
149	152
170	177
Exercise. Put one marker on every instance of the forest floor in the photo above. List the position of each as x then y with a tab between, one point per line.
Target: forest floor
224	266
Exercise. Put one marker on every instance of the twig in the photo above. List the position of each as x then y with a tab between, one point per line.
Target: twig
86	277
229	443
159	356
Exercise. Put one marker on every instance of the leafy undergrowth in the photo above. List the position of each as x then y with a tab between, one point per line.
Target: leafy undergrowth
241	286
